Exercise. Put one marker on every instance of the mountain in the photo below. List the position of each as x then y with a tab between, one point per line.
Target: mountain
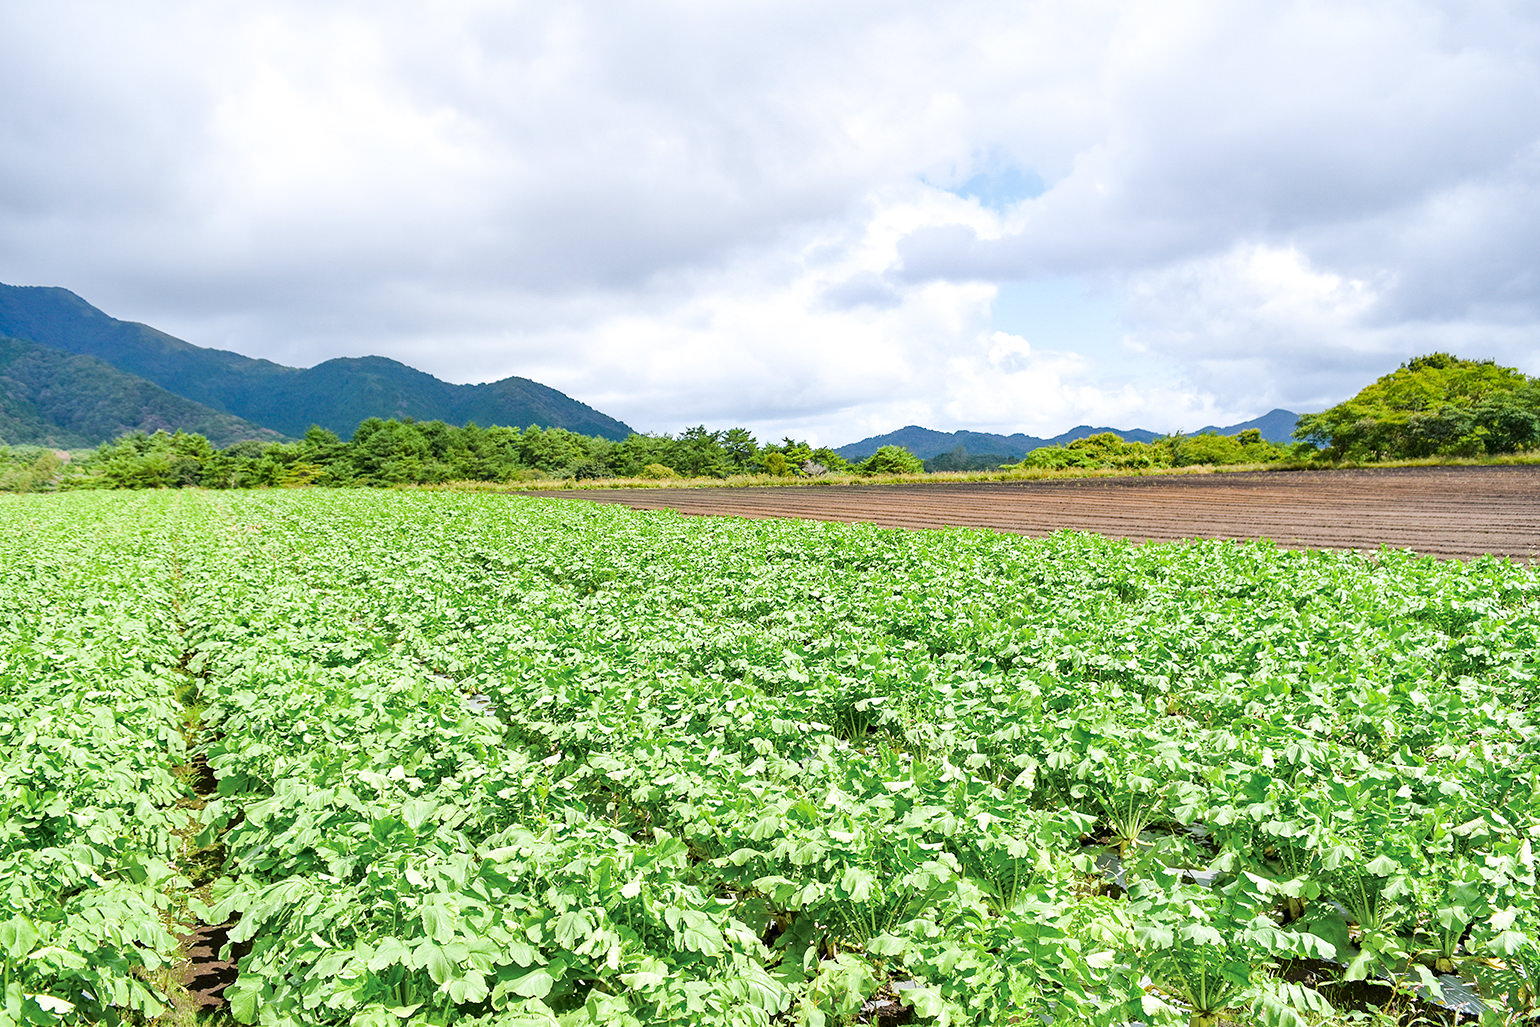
336	394
1275	426
927	443
52	398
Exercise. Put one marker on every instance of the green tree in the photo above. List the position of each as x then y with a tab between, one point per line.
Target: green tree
699	454
775	463
21	471
235	466
1510	421
139	461
789	456
831	460
741	451
388	453
1217	450
1436	405
551	449
891	460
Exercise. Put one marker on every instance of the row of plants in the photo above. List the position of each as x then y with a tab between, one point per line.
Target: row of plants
94	823
505	761
1341	729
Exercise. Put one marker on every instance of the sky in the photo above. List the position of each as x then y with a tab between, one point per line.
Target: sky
810	219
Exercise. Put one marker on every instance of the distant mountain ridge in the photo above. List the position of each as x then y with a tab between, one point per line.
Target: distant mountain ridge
336	394
927	443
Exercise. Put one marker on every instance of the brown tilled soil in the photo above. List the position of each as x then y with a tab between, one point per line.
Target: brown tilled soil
1441	511
204	974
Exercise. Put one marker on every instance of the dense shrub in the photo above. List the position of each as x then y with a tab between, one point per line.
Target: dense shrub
891	460
1437	405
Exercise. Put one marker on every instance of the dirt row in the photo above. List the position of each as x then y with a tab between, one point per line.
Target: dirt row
1441	511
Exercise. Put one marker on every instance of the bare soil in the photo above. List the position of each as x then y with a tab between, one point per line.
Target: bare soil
203	974
1458	512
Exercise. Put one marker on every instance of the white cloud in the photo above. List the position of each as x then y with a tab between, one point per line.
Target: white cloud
693	212
1265	322
1005	384
759	343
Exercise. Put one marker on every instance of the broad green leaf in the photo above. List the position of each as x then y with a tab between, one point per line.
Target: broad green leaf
17	936
434	960
535	984
243	999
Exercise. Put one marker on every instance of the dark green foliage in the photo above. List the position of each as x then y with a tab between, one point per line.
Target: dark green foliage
1437	405
1511	420
740	450
337	395
1101	450
402	452
29	468
789	457
1247	447
891	460
52	398
698	453
1108	451
830	459
405	452
959	459
588	470
141	461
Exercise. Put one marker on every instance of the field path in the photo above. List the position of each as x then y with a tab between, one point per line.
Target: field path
1442	511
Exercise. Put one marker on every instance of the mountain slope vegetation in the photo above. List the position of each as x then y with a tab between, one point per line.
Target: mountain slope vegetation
336	395
929	444
64	400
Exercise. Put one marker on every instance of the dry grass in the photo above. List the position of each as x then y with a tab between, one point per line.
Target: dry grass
945	477
822	481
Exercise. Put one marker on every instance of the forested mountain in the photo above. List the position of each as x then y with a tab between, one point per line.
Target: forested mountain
1275	426
927	443
64	400
336	395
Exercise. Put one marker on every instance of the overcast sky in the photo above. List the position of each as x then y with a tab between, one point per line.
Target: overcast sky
820	219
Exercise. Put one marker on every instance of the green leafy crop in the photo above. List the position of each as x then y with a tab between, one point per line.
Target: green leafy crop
492	760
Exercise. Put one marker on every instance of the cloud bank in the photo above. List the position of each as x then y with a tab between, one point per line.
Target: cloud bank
791	216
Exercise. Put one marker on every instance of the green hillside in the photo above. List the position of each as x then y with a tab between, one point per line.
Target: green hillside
336	395
52	398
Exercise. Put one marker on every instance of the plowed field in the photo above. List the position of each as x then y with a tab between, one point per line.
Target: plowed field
1441	511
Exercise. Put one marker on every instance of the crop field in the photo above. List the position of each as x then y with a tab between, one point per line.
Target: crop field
437	758
1442	511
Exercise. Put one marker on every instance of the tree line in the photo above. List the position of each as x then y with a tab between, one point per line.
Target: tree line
1112	452
407	452
402	452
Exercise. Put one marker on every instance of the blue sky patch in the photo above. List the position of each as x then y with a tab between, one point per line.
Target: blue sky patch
1060	314
1001	187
